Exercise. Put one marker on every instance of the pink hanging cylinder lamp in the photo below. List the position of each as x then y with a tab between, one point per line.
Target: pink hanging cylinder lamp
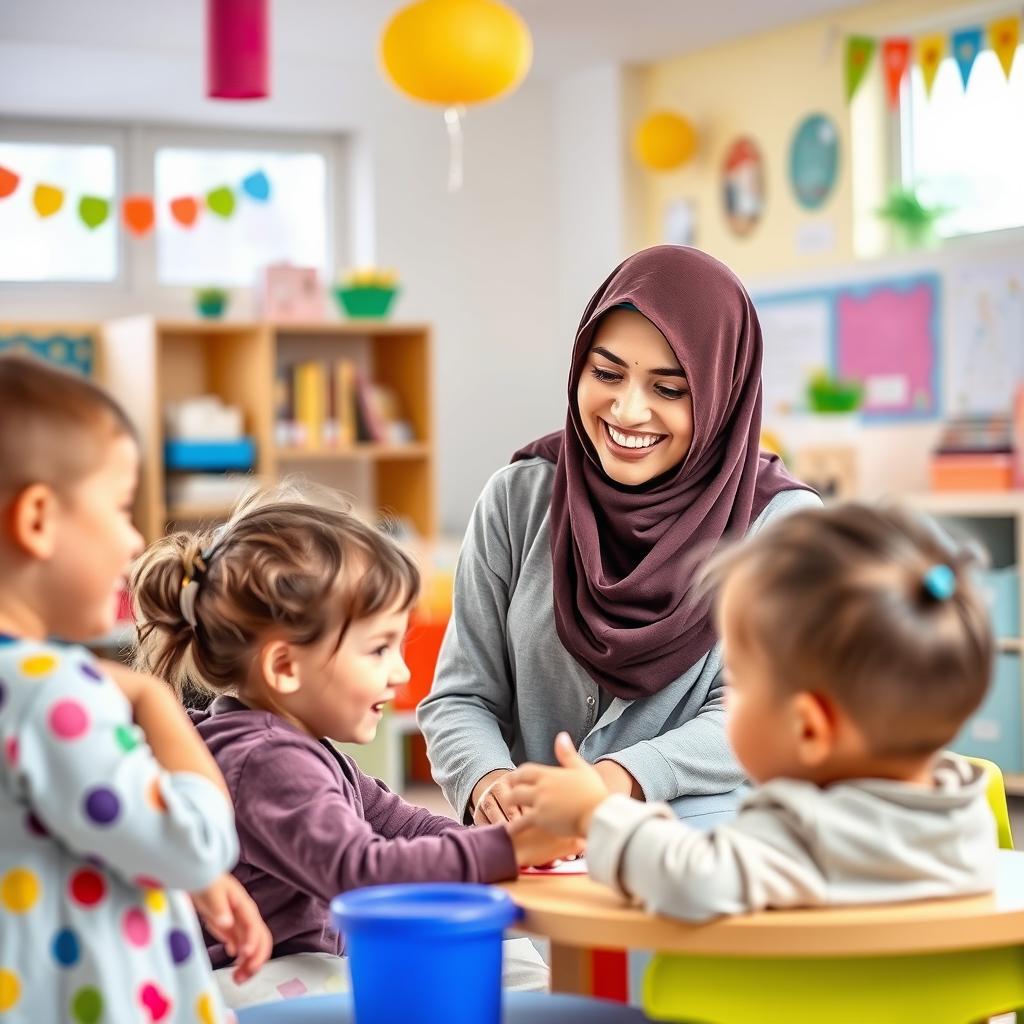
237	49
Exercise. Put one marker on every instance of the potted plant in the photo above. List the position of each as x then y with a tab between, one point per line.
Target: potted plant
826	393
913	221
211	302
367	293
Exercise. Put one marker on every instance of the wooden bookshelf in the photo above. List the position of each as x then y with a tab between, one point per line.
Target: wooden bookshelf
149	362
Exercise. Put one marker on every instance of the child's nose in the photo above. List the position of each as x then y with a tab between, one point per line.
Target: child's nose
401	674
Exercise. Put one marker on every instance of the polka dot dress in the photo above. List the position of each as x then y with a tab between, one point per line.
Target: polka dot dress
96	845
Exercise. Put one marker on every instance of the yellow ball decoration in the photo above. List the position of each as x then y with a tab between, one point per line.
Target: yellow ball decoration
665	141
456	51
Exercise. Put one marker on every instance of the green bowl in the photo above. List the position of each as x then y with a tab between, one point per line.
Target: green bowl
365	300
835	396
211	307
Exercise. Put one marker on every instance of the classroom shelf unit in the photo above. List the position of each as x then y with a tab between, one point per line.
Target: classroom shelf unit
149	363
996	520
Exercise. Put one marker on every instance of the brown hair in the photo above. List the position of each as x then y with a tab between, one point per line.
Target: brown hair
281	566
53	424
838	601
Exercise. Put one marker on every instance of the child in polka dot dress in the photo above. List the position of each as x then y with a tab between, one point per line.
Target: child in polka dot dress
109	803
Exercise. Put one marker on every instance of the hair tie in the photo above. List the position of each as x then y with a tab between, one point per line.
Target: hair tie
195	573
940	582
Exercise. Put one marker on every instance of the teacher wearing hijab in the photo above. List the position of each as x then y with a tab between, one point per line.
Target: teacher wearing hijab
575	605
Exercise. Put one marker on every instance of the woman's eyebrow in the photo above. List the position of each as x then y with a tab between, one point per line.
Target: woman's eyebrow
674	372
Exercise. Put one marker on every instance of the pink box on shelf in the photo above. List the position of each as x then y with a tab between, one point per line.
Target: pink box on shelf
292	294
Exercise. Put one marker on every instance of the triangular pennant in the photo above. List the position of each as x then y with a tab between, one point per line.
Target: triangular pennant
138	214
93	210
221	201
859	51
47	199
1003	37
185	210
895	60
8	182
930	51
966	45
257	186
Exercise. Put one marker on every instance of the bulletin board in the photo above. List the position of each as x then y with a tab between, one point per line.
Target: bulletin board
884	333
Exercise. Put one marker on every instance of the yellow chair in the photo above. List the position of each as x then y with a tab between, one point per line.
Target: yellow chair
947	988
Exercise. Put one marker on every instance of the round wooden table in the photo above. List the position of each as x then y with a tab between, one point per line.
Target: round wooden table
578	915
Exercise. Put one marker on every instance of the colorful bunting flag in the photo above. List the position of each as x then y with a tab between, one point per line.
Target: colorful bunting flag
966	47
257	186
1003	37
930	52
895	60
93	211
185	210
859	51
221	201
8	182
47	199
138	214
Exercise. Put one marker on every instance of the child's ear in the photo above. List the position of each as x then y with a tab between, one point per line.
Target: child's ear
815	727
279	667
32	521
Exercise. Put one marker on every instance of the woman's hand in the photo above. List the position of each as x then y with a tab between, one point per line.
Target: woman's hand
560	801
231	916
492	804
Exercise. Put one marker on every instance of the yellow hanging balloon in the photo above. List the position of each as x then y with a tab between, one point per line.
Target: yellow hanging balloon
664	141
456	52
47	200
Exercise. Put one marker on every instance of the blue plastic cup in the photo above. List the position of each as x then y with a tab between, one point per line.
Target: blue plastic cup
425	953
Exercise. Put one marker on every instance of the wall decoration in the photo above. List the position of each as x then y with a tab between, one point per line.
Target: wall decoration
664	141
454	53
859	51
139	214
884	334
237	49
895	61
47	199
930	53
680	222
966	46
743	186
185	210
8	182
814	160
93	211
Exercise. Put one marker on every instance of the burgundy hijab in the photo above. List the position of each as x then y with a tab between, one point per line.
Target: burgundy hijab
622	580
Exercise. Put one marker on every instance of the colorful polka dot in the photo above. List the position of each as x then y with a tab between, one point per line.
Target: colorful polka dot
127	737
204	1009
155	900
35	826
180	945
68	720
154	796
145	882
19	890
91	673
65	948
87	1006
87	887
10	989
102	806
135	926
11	750
38	665
155	1001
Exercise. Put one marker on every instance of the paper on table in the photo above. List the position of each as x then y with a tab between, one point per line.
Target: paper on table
562	867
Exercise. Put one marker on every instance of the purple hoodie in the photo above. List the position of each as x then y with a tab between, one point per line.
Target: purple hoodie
311	825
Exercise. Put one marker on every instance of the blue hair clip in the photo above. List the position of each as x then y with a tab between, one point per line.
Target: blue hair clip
940	582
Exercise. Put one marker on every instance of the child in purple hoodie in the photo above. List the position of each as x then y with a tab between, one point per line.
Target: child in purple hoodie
293	616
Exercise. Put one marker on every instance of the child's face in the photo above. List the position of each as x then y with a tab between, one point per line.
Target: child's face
634	401
762	721
359	679
95	542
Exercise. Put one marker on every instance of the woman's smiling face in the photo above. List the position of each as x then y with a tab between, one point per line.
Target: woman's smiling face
634	400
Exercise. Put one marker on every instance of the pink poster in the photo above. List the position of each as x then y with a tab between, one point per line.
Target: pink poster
887	336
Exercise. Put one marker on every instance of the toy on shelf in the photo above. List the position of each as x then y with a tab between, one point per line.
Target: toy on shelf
367	292
292	294
211	302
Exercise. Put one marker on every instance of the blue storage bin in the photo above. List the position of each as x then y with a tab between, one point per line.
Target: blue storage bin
994	730
1001	590
212	456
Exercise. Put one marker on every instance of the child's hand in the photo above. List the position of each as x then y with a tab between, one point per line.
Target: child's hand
562	800
536	848
231	916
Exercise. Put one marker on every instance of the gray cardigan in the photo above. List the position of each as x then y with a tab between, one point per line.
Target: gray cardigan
505	685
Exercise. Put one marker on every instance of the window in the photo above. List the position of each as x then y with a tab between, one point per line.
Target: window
59	247
289	225
964	149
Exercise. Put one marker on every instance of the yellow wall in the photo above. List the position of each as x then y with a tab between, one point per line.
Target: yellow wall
763	86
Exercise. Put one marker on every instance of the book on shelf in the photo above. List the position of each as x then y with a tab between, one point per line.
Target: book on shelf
322	405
